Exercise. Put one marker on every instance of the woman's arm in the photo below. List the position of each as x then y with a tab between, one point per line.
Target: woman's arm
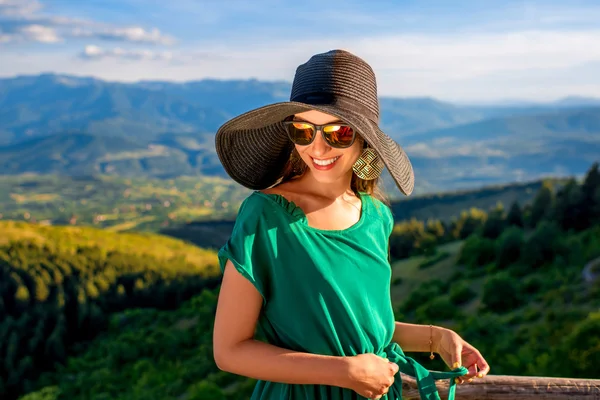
236	351
415	338
453	349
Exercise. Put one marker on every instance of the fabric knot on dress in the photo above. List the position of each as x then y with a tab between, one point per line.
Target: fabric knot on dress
425	378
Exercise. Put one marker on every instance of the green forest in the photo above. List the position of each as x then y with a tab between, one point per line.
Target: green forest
91	314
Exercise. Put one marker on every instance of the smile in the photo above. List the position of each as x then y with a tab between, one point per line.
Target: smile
326	162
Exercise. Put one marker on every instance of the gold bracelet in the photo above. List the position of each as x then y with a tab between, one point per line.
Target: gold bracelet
431	356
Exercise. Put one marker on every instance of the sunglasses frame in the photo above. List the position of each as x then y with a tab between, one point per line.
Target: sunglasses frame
319	128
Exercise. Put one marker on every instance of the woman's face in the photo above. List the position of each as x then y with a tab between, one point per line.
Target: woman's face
326	163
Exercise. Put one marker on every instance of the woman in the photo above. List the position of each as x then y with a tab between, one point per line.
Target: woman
307	261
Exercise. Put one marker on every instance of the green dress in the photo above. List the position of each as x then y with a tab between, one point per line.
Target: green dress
324	291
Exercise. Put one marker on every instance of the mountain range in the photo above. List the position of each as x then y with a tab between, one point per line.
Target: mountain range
72	125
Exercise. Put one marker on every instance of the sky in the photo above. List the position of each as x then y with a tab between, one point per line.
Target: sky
463	51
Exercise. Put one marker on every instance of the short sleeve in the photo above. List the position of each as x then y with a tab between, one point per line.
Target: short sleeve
385	215
390	220
385	212
249	248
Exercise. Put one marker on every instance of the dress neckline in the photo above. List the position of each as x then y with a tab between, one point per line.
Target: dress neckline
297	213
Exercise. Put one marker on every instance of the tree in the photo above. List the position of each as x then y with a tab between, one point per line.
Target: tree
41	290
461	293
590	191
405	237
543	245
542	205
515	216
435	228
22	294
579	353
469	222
204	390
477	251
568	211
12	351
47	393
494	224
55	345
501	293
509	246
427	244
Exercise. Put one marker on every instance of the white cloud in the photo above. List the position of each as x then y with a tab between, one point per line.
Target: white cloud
39	33
461	66
19	8
92	52
21	21
133	34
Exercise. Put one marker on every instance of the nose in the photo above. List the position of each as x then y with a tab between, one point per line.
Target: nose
319	145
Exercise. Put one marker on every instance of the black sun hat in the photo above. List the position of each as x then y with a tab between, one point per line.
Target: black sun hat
254	147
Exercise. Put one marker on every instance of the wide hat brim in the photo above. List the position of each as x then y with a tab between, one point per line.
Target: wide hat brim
254	147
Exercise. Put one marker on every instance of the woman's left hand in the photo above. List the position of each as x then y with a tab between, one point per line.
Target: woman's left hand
456	352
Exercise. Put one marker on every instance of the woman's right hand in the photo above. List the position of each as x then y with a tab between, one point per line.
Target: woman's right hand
370	375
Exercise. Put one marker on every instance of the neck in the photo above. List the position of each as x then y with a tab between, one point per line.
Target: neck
331	190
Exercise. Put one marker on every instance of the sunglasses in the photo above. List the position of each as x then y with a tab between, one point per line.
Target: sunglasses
336	135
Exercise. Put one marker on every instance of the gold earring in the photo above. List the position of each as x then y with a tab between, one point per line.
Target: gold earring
369	165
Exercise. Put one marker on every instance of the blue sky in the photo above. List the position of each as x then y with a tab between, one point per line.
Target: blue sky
467	51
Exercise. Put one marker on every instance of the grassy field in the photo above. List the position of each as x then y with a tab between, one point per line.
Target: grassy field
141	243
120	204
411	276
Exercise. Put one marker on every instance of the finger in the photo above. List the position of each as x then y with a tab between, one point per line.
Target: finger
472	372
395	367
457	359
484	368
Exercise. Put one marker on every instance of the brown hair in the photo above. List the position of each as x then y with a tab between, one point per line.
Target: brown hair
296	167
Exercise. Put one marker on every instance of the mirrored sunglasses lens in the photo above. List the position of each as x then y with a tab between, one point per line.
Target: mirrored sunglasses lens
339	135
300	133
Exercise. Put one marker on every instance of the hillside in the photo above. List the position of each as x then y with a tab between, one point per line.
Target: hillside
168	354
48	103
60	285
447	205
69	238
507	149
444	207
75	154
503	280
200	210
166	130
574	122
117	203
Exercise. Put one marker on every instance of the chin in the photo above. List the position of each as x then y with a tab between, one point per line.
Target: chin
329	176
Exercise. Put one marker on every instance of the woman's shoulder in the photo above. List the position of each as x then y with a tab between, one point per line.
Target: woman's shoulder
287	190
378	204
269	204
379	209
257	203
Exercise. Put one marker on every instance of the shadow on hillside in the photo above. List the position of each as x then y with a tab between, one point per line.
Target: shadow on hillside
205	234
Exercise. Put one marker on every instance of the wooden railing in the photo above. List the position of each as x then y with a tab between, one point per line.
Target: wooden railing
505	387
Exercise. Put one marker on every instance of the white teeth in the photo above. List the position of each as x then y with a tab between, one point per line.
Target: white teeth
325	162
